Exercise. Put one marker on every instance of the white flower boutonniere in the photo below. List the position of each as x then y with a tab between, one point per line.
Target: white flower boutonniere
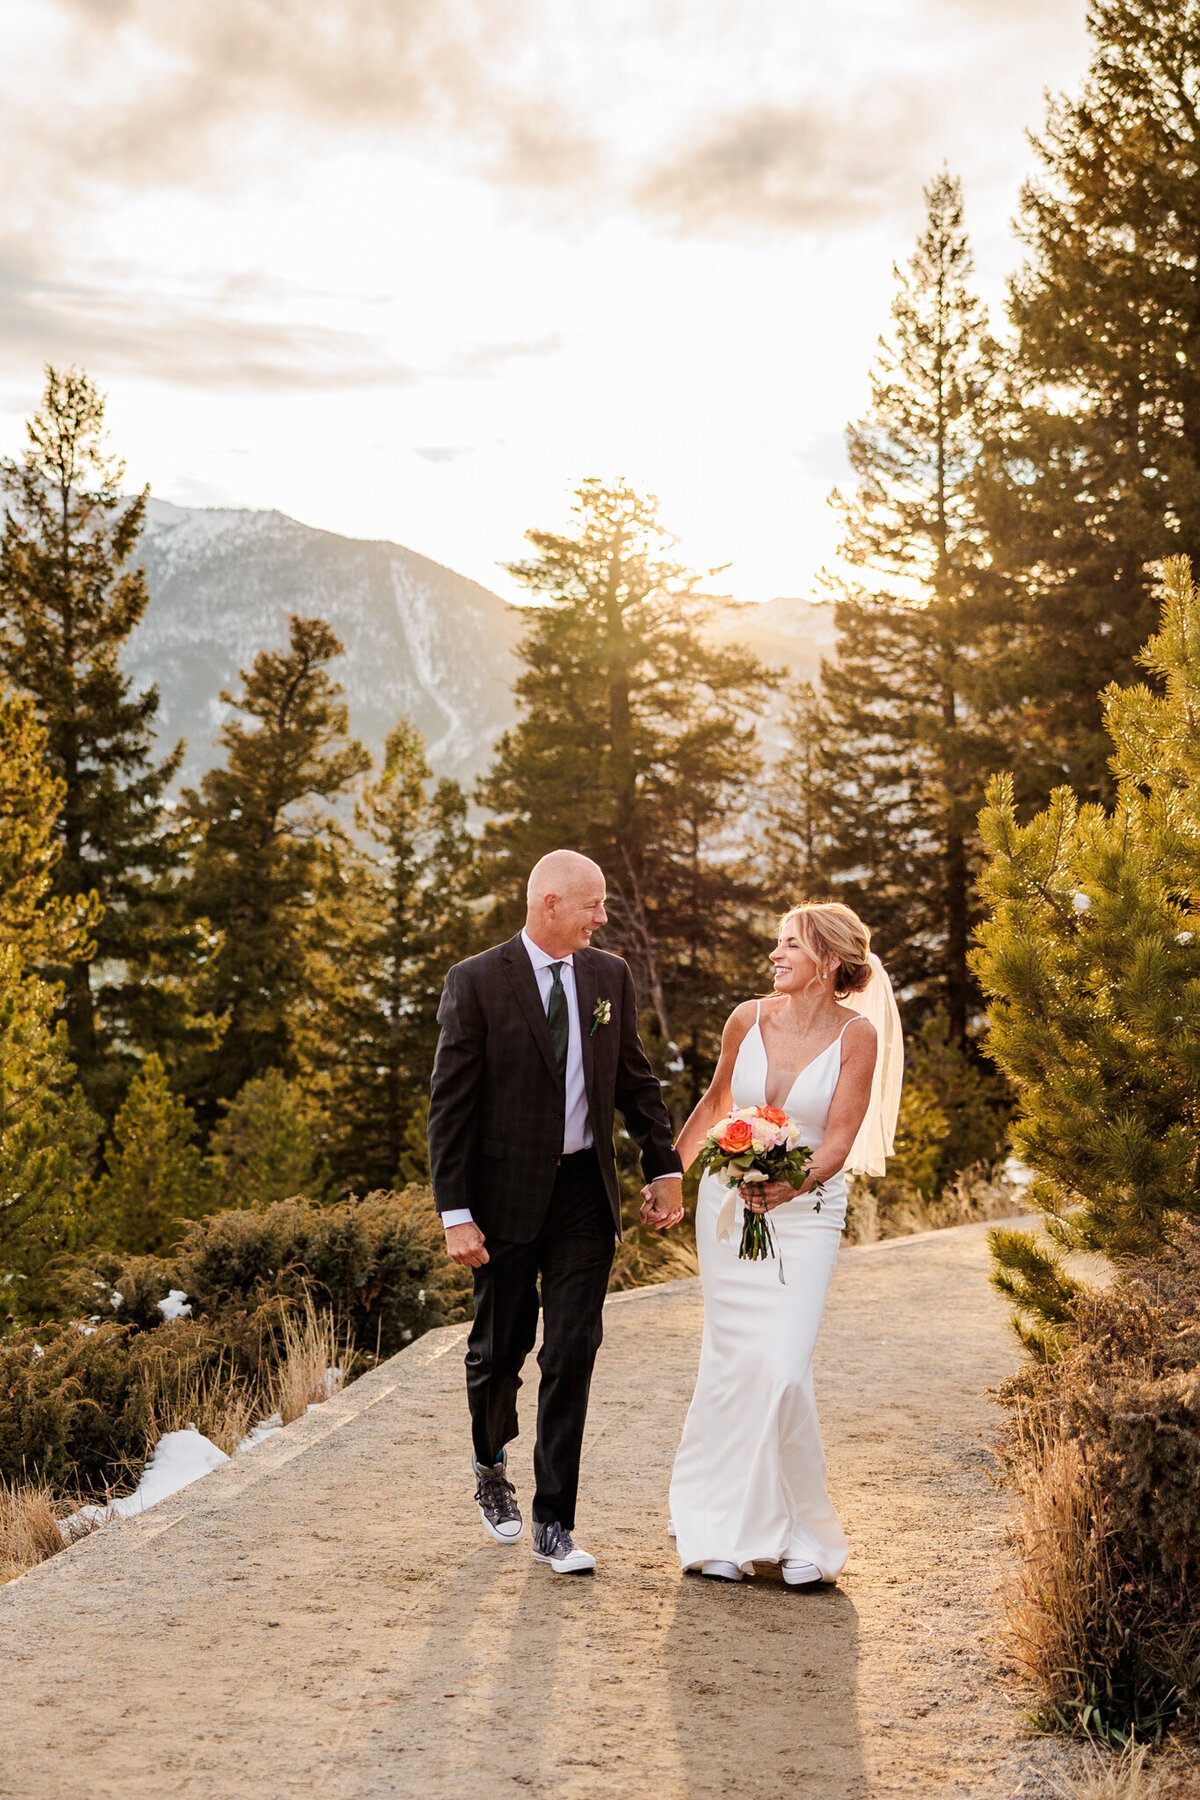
601	1014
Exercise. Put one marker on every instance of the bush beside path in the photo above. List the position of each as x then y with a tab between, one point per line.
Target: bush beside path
324	1616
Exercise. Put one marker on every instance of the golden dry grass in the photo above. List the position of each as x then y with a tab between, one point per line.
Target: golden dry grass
1129	1776
214	1402
1063	1580
314	1365
29	1533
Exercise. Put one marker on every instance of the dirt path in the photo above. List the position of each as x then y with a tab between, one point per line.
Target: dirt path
323	1617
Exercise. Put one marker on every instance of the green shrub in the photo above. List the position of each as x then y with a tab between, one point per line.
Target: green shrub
81	1406
380	1262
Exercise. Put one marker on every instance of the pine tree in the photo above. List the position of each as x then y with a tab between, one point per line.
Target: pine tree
635	744
270	846
896	778
155	1175
69	598
1090	953
43	925
47	1135
268	1146
1096	474
47	1131
396	913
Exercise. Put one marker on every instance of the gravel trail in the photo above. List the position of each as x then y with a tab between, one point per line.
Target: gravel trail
324	1617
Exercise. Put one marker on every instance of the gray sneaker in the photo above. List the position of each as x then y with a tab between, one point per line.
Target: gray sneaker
496	1499
553	1544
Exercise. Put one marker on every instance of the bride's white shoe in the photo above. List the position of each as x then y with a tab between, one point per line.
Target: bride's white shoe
721	1571
800	1574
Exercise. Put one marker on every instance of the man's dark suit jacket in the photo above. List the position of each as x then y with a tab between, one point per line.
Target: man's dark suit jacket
497	1102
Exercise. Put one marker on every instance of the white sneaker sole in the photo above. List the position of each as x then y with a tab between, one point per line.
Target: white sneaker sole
805	1575
578	1563
721	1571
502	1537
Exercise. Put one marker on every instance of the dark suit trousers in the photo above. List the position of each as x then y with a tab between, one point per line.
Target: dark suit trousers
573	1255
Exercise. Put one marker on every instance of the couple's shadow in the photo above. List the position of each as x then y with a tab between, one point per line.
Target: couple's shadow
642	1679
763	1682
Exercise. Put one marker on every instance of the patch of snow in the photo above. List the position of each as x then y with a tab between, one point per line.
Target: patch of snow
178	1459
1017	1172
117	1300
265	1429
176	1305
38	1351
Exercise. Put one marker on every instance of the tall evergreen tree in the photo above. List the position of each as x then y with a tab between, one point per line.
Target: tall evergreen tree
47	1131
270	845
155	1175
897	775
396	915
69	599
1090	954
1096	474
268	1146
635	744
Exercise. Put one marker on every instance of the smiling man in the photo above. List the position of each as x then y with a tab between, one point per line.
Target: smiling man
539	1048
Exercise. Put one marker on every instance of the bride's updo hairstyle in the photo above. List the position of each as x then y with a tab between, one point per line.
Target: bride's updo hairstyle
830	931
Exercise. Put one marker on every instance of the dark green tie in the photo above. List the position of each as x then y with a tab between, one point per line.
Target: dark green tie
558	1019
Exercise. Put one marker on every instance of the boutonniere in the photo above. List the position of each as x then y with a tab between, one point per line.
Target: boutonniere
601	1014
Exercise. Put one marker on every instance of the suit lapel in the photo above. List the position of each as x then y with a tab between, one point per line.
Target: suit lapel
523	981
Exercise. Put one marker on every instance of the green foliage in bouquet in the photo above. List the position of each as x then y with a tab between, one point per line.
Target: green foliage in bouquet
1090	954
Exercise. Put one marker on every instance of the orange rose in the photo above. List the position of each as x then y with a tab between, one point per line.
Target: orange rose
737	1136
772	1115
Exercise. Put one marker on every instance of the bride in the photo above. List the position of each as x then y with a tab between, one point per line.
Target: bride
749	1479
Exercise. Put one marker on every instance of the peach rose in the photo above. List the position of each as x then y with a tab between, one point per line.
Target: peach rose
737	1136
772	1115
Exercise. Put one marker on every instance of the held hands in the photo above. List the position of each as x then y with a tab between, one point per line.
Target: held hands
662	1202
464	1245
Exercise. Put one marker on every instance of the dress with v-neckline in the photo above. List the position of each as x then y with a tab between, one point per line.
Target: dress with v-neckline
811	1063
749	1481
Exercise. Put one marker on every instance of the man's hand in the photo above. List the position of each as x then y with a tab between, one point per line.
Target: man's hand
465	1246
662	1202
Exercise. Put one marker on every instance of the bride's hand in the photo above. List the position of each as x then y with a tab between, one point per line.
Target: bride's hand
765	1196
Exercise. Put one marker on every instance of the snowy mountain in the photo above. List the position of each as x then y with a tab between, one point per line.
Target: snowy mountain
419	639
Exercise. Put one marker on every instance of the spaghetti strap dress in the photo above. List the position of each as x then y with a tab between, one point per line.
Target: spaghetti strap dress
749	1482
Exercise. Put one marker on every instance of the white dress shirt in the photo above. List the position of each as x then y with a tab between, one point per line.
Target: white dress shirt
577	1127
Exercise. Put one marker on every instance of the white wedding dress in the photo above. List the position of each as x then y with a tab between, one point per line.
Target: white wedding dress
749	1480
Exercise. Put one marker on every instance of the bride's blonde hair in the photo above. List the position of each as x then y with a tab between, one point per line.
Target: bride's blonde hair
829	930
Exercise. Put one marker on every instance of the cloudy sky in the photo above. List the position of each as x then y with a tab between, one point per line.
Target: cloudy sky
412	268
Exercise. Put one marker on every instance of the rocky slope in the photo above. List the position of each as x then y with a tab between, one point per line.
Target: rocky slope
419	639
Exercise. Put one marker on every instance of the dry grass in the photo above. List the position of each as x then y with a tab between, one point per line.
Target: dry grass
1062	1594
216	1403
1129	1776
314	1365
977	1193
645	1257
29	1533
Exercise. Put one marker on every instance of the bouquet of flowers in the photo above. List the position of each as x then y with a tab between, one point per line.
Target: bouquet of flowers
756	1143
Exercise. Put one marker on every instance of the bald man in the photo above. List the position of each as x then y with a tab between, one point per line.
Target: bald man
538	1049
